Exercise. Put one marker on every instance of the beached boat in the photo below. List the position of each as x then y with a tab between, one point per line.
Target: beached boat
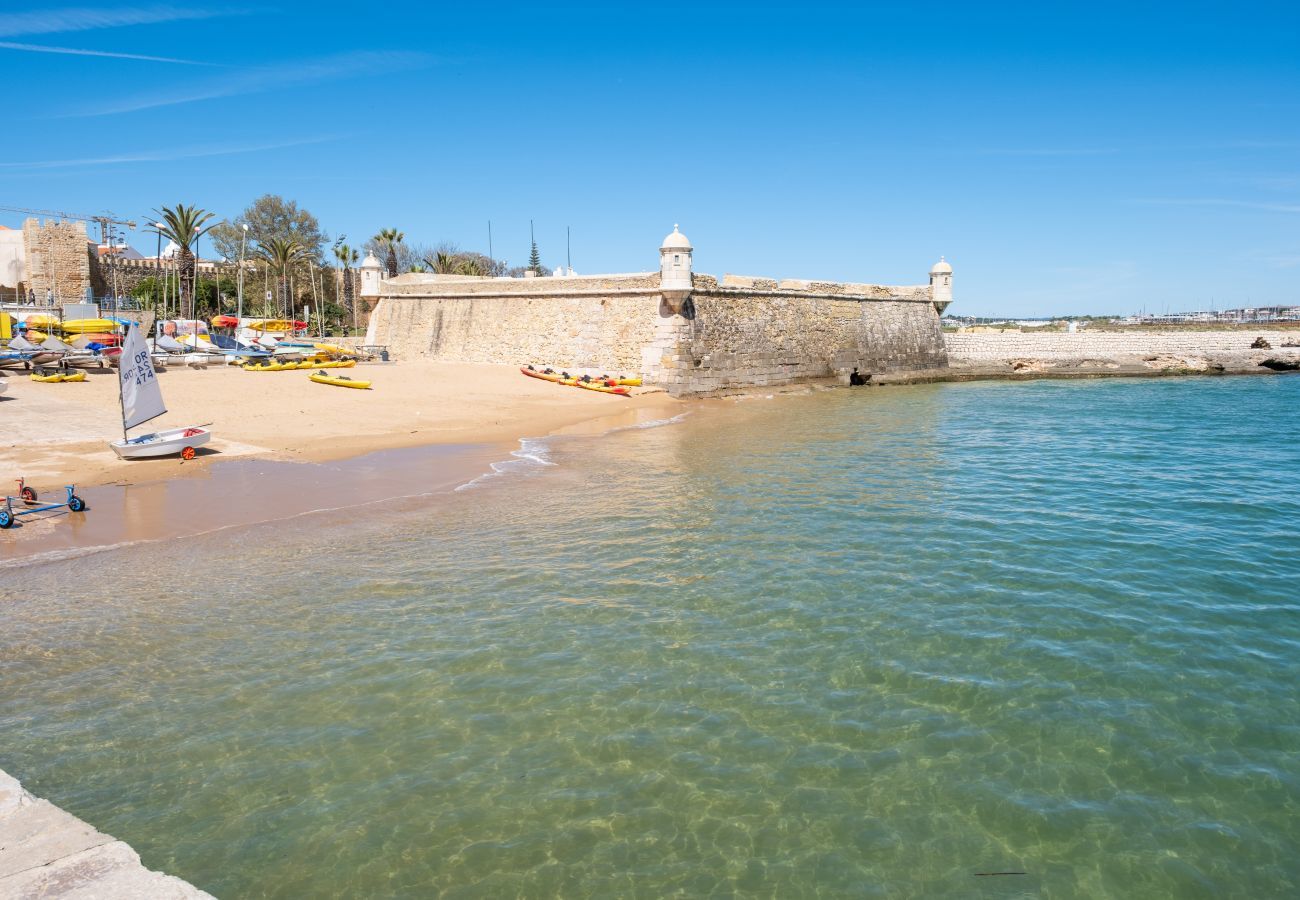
70	356
181	441
298	365
35	356
141	399
339	381
59	377
81	326
600	386
546	375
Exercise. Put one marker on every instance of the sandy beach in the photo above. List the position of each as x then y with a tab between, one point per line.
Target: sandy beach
57	433
283	446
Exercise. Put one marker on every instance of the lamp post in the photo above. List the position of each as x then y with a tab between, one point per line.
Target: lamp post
157	266
239	313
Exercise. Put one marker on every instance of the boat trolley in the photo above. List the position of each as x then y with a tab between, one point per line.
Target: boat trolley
26	502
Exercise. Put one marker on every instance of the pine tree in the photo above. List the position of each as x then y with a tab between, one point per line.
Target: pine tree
534	258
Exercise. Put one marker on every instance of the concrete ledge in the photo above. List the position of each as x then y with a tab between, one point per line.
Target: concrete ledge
46	852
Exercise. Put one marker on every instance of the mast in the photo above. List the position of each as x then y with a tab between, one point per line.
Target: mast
121	403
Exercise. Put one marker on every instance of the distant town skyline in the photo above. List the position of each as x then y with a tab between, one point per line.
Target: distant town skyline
1086	159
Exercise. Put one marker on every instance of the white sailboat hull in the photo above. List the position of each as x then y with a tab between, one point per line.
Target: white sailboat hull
161	443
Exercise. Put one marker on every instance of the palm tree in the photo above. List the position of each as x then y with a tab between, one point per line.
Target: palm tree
281	254
442	263
391	237
347	256
470	266
183	225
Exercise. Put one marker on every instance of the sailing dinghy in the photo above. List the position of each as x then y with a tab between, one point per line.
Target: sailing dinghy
142	401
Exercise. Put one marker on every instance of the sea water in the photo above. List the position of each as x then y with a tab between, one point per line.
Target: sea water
980	640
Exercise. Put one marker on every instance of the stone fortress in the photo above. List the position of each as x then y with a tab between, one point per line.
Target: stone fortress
690	333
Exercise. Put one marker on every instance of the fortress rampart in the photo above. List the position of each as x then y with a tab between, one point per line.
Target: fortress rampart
690	333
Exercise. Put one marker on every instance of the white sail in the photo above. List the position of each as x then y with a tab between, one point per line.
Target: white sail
141	396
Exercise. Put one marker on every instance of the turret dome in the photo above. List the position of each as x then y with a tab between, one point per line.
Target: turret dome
676	241
371	262
941	268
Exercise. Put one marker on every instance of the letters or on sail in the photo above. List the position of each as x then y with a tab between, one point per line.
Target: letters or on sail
141	396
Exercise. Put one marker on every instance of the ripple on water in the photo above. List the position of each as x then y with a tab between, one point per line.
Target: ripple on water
857	643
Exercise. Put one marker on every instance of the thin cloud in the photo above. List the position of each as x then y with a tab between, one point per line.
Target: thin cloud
1217	201
56	21
37	48
268	78
1048	151
153	156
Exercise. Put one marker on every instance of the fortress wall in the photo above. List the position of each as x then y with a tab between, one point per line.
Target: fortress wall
743	333
1056	345
604	332
733	338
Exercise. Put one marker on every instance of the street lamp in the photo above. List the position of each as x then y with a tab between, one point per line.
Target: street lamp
157	266
239	314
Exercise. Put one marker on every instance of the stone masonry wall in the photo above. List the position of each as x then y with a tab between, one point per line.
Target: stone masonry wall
58	259
745	332
728	338
569	323
1054	345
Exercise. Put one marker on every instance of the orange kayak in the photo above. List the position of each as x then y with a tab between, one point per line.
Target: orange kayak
545	376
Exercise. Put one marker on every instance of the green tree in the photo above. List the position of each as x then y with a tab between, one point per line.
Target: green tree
390	238
271	216
346	257
281	255
535	261
183	225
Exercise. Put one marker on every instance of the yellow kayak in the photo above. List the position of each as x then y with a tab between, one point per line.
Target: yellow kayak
339	381
596	386
302	365
84	326
41	320
333	349
59	377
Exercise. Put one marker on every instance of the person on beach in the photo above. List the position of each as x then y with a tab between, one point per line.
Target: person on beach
855	379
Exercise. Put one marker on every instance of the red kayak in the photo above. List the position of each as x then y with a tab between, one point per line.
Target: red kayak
545	376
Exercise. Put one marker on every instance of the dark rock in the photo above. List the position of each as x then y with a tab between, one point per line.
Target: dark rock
1281	365
1261	344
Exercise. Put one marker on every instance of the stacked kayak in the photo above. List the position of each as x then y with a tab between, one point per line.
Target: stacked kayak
604	384
294	366
59	377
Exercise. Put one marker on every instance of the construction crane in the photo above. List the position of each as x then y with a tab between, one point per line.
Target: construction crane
106	220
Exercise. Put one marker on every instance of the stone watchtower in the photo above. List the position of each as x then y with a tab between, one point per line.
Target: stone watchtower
941	285
371	271
675	257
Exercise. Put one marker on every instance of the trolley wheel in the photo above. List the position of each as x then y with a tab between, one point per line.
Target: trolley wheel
187	453
76	504
6	518
29	494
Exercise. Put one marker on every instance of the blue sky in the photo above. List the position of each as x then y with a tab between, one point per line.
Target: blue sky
1086	158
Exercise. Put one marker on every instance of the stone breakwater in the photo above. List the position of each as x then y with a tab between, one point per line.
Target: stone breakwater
46	852
989	354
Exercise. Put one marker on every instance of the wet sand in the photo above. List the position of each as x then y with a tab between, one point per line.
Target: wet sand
282	447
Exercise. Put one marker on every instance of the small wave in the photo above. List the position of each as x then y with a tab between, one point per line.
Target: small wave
66	553
653	423
535	453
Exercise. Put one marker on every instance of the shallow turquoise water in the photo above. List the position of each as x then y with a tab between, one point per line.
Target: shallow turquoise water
859	643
